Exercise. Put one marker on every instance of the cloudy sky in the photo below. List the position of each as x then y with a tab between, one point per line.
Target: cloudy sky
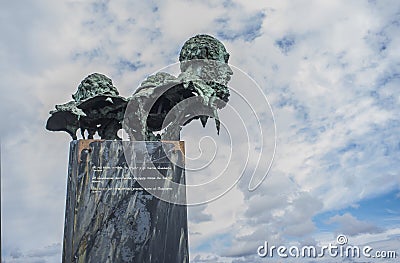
329	70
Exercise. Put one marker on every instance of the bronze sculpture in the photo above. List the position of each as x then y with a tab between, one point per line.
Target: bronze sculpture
160	106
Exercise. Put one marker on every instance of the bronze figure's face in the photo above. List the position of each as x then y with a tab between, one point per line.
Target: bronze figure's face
209	56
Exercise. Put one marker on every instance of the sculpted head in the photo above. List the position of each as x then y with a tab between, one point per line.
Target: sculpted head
205	58
203	47
93	85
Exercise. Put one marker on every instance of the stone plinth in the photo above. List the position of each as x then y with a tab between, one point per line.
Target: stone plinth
110	217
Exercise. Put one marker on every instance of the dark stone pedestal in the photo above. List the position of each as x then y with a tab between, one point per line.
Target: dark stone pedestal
110	217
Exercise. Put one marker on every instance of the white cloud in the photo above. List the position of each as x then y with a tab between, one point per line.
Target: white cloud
51	253
349	225
334	95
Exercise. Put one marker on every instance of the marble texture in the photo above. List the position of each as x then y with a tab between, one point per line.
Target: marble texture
110	217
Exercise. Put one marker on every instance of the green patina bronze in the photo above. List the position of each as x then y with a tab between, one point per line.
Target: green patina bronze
96	107
162	104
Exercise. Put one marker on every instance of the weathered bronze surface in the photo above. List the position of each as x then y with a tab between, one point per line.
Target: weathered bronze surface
162	104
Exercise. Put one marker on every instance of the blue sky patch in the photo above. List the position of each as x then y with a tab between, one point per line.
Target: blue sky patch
248	29
382	211
285	44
